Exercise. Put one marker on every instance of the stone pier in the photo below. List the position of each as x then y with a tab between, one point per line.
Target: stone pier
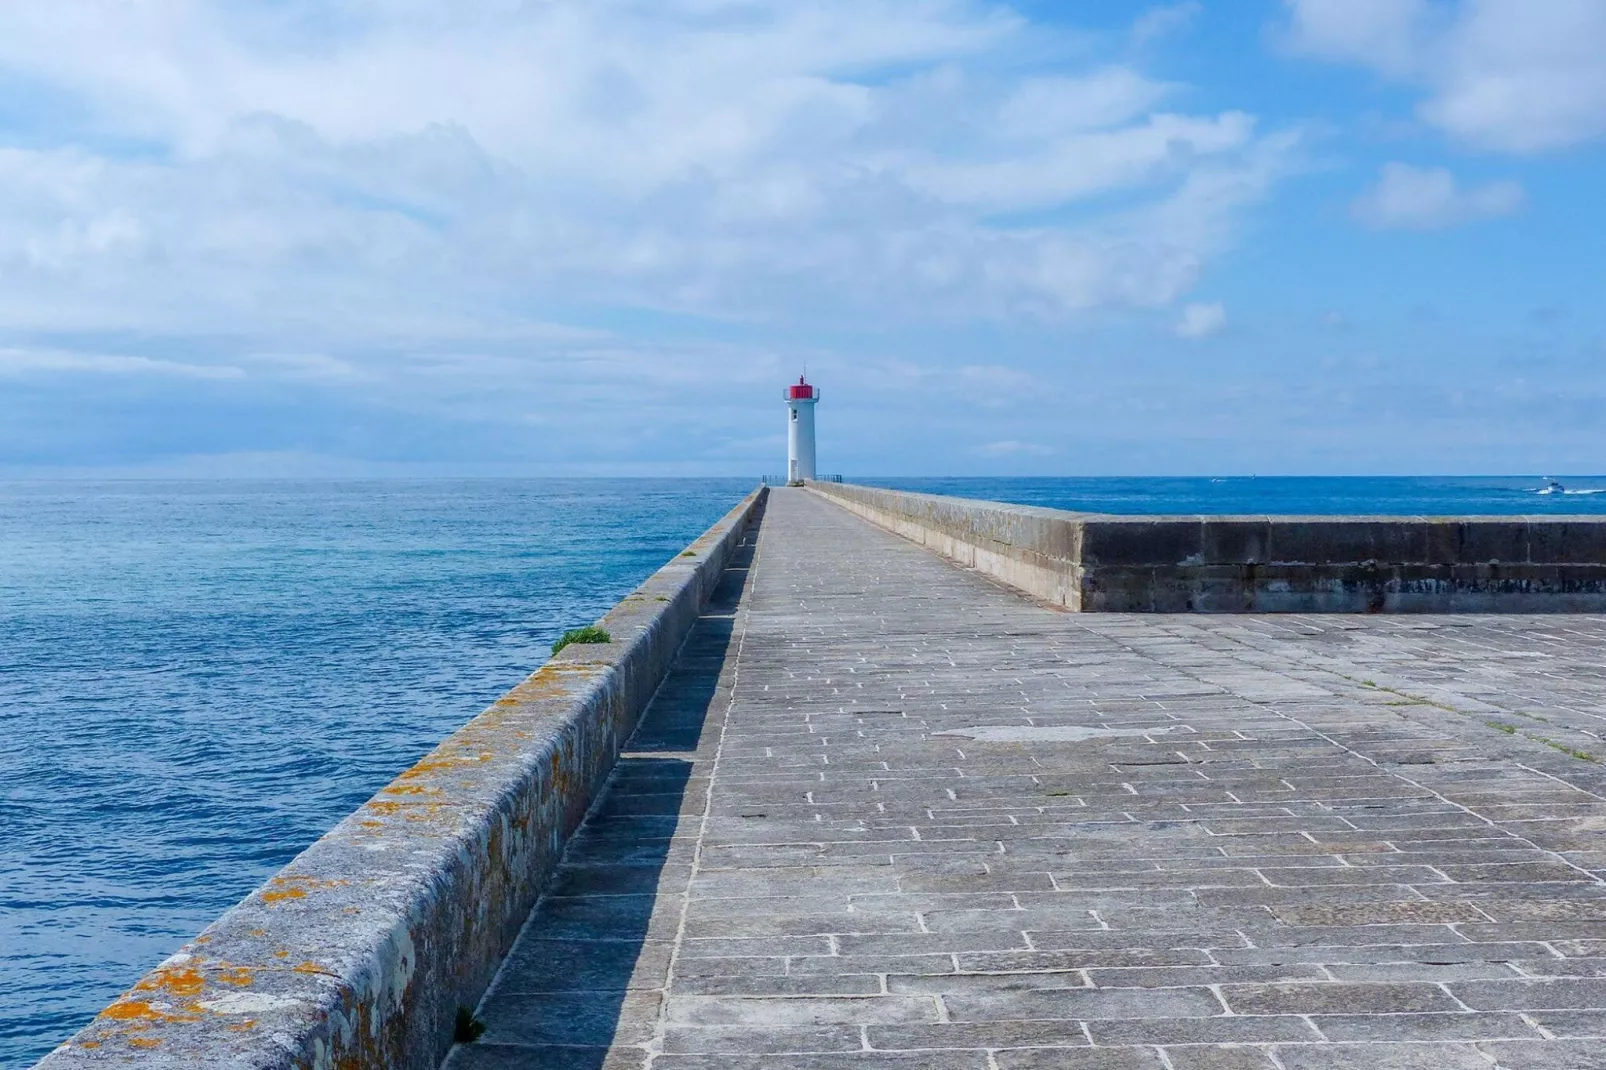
886	813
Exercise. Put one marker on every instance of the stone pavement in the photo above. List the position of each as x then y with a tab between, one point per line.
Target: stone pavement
887	814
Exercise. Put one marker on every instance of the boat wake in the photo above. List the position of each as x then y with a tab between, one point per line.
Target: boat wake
1553	487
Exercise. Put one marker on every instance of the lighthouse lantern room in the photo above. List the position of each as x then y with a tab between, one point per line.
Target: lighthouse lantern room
801	398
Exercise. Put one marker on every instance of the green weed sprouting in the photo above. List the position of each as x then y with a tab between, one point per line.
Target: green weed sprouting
589	634
468	1028
1571	752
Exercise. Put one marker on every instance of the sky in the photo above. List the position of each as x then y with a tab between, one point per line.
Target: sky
542	237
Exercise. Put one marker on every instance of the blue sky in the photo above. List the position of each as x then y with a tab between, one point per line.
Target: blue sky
369	237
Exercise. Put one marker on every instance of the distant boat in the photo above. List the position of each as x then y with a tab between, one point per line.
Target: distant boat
1553	486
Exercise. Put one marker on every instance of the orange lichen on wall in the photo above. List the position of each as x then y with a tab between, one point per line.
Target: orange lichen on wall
294	887
181	981
409	789
441	759
238	976
407	811
180	984
141	1013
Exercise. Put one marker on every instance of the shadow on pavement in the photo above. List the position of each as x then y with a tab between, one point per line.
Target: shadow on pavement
584	982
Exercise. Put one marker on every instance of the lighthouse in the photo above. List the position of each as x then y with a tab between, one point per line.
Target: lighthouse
800	401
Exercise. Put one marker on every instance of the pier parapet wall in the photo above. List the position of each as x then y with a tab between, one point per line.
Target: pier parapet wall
359	953
1088	562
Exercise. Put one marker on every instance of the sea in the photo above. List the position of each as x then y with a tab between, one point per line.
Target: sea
1300	495
197	679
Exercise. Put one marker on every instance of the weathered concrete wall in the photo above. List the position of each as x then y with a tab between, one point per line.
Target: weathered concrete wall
360	951
1267	564
1038	551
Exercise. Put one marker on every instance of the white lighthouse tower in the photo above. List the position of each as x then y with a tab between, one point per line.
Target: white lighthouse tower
800	401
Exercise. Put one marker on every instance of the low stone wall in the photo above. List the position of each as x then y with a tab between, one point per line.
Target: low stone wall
1038	551
1088	562
361	950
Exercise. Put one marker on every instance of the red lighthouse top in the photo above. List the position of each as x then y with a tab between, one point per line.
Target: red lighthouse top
800	389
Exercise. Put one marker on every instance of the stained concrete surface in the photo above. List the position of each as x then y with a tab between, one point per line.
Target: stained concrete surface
1358	842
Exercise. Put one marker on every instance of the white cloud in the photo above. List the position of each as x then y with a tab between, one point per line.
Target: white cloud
1170	18
1072	167
1386	34
994	379
1428	198
19	361
1508	75
395	166
1013	448
1045	107
307	367
1201	321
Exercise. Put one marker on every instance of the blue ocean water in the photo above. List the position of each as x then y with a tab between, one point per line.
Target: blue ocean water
198	679
1308	495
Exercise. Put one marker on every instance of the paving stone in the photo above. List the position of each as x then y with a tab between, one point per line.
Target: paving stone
973	983
1381	1057
1546	1055
1221	1029
1079	1059
1532	995
1570	1023
863	984
1435	972
841	1060
1174	976
583	1019
586	966
624	917
1384	952
1219	1057
793	870
802	1010
842	923
1083	1004
1402	1027
753	1040
1336	998
983	1035
1379	913
925	965
487	1056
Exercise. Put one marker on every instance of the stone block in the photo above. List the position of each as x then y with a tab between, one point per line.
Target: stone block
1134	542
1338	998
